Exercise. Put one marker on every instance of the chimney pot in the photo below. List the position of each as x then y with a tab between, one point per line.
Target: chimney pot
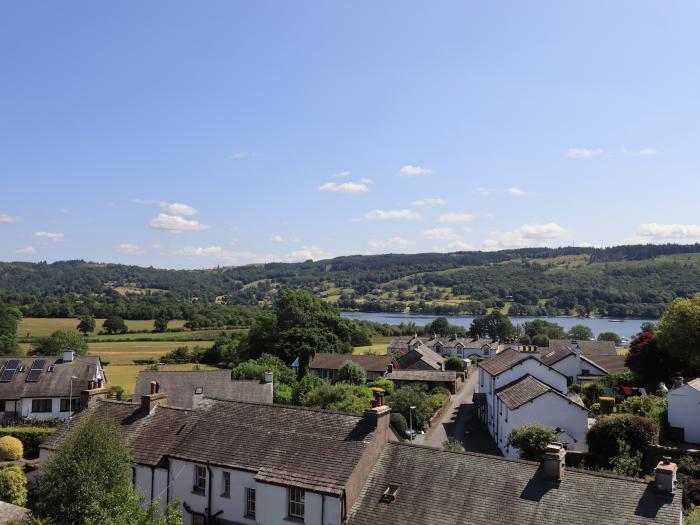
665	476
154	387
269	376
553	462
68	356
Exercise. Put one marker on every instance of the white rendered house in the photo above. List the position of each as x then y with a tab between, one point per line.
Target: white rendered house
684	410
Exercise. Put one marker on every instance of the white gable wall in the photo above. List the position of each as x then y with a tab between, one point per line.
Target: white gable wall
684	411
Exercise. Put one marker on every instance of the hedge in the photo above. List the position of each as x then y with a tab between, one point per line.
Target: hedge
13	485
31	437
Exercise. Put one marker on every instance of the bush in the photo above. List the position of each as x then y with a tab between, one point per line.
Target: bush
531	440
409	396
652	407
398	422
625	463
341	396
31	438
575	388
282	394
691	493
11	448
351	372
437	398
117	392
306	385
453	445
607	404
636	431
386	384
454	363
592	391
13	485
595	409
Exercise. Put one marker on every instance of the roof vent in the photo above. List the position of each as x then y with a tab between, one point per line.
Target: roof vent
51	368
390	493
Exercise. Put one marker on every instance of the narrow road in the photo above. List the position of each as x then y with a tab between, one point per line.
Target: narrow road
457	423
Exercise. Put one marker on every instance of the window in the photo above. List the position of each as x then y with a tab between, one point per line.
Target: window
250	503
2	405
226	485
295	508
42	405
585	372
65	404
200	479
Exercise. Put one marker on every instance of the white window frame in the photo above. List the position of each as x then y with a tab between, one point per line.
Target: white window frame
295	503
225	484
200	479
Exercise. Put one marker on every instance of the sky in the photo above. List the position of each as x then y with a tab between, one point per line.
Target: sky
196	134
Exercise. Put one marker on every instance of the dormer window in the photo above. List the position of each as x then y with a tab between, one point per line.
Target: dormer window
390	493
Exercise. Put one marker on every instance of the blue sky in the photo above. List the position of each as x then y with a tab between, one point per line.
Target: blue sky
196	134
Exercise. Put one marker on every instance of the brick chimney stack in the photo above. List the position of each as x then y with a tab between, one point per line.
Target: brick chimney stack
665	476
553	462
155	398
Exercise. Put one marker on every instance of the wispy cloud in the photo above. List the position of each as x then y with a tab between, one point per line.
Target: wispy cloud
130	249
64	210
395	243
442	234
239	155
460	246
53	236
282	239
306	253
644	152
455	217
528	235
176	224
9	218
414	171
658	232
341	174
429	203
27	250
483	191
344	187
193	251
382	215
172	208
518	192
583	153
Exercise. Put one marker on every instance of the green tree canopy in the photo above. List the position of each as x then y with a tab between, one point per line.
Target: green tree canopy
345	397
160	324
531	440
61	341
88	481
494	325
650	364
114	325
10	317
638	432
409	396
678	333
86	325
610	336
454	363
439	326
542	327
581	332
351	372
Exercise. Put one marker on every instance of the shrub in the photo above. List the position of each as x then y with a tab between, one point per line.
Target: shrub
399	423
117	392
409	396
652	407
607	404
595	409
386	384
11	448
351	372
636	431
282	394
306	385
61	341
13	485
454	363
31	437
453	445
625	463
691	493
575	388
592	391
531	440
341	396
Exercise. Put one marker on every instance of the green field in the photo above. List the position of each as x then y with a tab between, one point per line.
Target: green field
36	327
125	352
378	346
125	375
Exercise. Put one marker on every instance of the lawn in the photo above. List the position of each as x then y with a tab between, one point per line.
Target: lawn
378	346
125	375
33	326
124	353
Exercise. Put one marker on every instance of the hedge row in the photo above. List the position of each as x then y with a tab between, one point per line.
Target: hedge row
31	438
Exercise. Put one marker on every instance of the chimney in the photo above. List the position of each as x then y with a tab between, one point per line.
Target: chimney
378	415
665	476
93	394
553	462
151	401
68	356
268	377
677	382
155	387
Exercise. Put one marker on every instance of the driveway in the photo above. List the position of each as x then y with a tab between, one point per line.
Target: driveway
458	423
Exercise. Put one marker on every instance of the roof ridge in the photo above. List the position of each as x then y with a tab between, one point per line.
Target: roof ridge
287	407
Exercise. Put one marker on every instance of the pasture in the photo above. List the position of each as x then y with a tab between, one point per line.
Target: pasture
125	375
124	353
37	327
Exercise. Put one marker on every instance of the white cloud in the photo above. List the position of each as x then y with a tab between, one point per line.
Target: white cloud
460	246
582	153
517	192
192	251
655	231
382	215
429	203
240	155
528	235
64	210
176	224
130	249
54	236
455	217
345	187
280	238
395	243
647	151
341	174
483	192
365	180
414	171
304	254
9	218
172	208
27	250
443	234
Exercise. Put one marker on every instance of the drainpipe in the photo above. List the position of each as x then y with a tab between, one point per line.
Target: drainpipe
211	481
323	508
167	486
153	477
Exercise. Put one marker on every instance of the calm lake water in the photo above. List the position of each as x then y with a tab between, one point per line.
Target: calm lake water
622	327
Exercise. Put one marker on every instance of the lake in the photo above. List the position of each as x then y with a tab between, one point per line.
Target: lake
622	327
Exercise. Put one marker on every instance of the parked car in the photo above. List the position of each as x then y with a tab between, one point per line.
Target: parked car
409	433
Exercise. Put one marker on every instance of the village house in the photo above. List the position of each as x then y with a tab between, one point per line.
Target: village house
684	410
326	365
41	387
186	388
462	347
420	358
430	378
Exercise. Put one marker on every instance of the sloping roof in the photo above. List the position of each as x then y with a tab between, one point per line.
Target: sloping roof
609	363
311	448
695	383
329	361
10	513
501	491
521	391
552	355
588	348
423	354
423	375
49	384
499	363
181	386
398	344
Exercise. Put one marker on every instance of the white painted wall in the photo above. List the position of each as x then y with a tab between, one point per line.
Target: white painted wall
550	410
535	369
684	411
26	409
570	366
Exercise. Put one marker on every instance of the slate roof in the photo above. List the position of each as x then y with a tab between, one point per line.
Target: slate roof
523	390
423	375
421	353
609	363
588	348
332	361
550	356
180	386
501	362
310	448
501	491
50	384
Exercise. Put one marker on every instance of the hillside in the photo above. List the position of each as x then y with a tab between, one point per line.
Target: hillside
619	281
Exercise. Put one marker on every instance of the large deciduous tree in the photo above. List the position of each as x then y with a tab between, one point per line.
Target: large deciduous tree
678	333
580	331
86	325
61	341
495	325
650	363
9	319
114	325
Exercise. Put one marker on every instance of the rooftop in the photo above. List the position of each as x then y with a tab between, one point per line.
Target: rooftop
522	391
501	491
331	361
32	377
423	375
588	348
501	362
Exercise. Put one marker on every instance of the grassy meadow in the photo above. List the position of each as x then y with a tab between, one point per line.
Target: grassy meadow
125	375
38	327
123	353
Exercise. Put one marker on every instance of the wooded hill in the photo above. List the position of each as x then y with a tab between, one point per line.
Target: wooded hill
637	280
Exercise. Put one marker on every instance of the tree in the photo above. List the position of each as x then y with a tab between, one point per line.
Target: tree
439	326
454	363
540	340
647	326
649	363
610	336
542	327
409	396
61	341
531	440
351	372
86	325
638	432
114	325
496	325
625	463
581	332
9	320
678	333
88	481
398	422
160	324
